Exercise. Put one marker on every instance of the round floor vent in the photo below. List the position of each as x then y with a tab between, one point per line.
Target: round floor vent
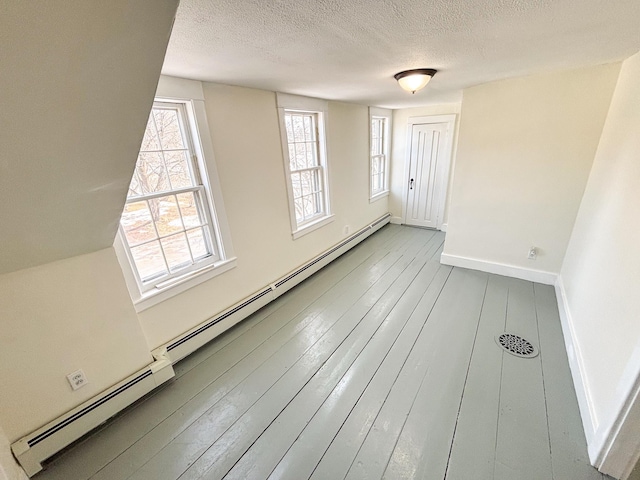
516	345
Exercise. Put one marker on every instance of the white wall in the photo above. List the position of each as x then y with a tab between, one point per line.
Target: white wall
525	150
248	154
399	154
57	318
601	270
77	313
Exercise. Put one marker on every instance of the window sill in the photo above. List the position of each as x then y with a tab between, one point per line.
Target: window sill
378	196
157	295
310	227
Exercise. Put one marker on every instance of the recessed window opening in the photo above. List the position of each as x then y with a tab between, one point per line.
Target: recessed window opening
378	155
167	224
307	172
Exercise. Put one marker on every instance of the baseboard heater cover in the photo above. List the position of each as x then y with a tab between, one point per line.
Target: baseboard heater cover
32	450
200	335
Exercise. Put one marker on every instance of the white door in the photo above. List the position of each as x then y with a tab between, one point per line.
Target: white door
426	188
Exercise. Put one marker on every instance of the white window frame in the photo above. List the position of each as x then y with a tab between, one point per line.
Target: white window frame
296	104
383	113
190	96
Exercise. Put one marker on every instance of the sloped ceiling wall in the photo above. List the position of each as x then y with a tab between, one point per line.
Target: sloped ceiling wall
76	85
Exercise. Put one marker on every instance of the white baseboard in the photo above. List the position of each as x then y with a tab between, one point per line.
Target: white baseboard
613	443
538	276
443	227
396	220
576	364
617	446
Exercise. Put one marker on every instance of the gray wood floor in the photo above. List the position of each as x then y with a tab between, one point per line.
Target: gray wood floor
382	365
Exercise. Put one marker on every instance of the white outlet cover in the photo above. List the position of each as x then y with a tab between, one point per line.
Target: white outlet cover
77	379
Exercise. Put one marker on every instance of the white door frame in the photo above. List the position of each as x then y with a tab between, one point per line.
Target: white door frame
442	171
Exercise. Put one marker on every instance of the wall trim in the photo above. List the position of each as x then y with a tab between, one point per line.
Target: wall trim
576	365
618	448
532	275
613	444
396	220
444	227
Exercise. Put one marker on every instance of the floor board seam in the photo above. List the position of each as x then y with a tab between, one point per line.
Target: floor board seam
402	366
258	366
466	377
423	376
302	356
544	387
317	410
364	389
495	449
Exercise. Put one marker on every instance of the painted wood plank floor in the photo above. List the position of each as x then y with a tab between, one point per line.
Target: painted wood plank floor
381	365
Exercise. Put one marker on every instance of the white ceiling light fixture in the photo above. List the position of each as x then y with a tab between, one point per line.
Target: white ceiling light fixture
414	80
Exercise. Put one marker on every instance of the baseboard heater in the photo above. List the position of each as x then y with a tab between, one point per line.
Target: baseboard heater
200	335
32	450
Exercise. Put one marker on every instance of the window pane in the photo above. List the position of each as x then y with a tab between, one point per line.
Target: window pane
288	123
300	155
198	243
374	165
135	188
167	123
312	157
296	185
167	216
377	136
292	157
150	174
298	128
149	260
309	208
299	210
309	130
176	251
189	209
178	169
150	140
305	178
137	223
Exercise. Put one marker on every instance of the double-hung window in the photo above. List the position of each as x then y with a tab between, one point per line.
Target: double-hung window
305	163
169	228
379	156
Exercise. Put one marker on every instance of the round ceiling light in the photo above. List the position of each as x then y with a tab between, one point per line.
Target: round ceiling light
414	80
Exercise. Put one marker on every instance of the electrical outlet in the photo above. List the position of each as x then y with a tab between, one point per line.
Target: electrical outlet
77	379
533	253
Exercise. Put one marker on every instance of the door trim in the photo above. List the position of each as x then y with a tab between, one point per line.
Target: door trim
443	172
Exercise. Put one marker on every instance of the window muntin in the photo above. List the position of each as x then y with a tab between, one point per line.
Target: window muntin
166	223
378	155
305	166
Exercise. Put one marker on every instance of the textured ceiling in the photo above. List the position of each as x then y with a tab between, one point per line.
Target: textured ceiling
349	50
